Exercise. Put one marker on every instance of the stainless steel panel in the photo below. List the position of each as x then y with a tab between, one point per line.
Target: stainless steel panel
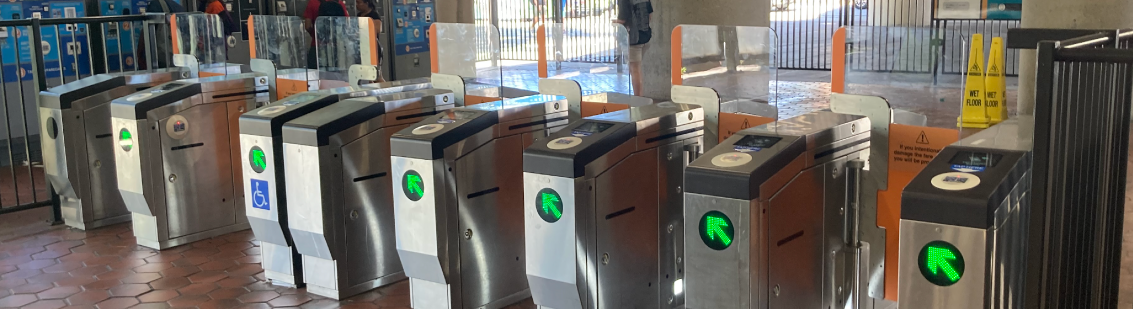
794	242
425	294
199	186
628	243
278	263
305	196
104	202
55	152
129	172
720	279
490	233
916	292
418	224
557	253
671	160
370	242
271	230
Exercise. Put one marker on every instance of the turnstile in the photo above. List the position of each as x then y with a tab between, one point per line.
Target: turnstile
176	149
458	218
339	194
77	149
766	215
602	201
261	140
964	223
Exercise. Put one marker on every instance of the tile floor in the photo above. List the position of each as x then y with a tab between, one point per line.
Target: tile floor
103	268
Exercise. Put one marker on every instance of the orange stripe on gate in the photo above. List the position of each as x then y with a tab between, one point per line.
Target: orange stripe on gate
541	57
677	59
251	37
436	67
838	62
173	34
373	44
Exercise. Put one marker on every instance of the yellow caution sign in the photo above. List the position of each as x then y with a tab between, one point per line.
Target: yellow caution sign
974	113
996	83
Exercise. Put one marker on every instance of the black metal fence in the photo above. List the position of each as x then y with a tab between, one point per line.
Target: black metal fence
1083	98
68	49
587	28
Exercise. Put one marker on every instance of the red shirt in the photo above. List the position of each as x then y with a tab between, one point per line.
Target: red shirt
312	12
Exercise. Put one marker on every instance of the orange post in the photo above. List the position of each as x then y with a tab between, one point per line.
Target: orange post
433	49
541	51
374	46
677	59
173	34
251	37
838	63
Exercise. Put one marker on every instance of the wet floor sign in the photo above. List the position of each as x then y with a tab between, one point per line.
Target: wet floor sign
995	83
974	113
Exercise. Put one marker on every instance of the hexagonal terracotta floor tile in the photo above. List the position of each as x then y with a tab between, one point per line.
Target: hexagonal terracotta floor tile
153	267
258	296
208	276
169	283
46	304
129	290
37	264
151	306
11	283
198	289
180	271
158	296
117	303
17	300
188	300
141	278
289	301
87	298
63	267
233	282
32	288
59	292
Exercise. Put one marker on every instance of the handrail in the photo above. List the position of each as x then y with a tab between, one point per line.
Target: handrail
82	20
1095	39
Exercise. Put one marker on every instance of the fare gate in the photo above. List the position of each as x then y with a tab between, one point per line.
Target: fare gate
964	222
601	200
261	140
339	192
766	224
458	217
175	152
78	148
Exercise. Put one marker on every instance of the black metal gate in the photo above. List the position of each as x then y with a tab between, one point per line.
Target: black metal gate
586	24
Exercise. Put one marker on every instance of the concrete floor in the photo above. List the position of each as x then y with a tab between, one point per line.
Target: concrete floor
43	266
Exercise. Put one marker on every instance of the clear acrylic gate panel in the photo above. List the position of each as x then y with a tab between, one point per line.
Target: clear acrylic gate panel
341	42
472	52
200	36
601	68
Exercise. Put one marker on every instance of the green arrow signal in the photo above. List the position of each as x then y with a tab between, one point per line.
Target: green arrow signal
258	158
716	229
549	201
415	185
939	259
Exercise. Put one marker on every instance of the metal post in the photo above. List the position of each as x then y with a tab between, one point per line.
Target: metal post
1036	248
39	78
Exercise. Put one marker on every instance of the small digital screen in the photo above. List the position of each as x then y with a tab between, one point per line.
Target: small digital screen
758	141
593	127
460	115
976	159
178	126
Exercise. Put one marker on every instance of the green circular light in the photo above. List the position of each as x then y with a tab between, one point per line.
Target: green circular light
941	263
716	230
257	159
549	205
412	185
125	140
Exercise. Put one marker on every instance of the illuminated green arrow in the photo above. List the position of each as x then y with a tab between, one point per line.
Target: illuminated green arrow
939	260
415	185
549	201
716	229
258	158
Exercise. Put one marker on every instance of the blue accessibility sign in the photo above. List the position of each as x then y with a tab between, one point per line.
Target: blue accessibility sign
260	198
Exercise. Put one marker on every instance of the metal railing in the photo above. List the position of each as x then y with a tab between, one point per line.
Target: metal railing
69	49
1083	97
586	22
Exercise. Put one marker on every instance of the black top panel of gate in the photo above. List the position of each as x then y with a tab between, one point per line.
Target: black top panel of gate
964	186
768	154
428	138
567	152
136	105
269	120
61	96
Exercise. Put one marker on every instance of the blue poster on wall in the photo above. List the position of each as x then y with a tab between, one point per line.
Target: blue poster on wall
412	19
64	46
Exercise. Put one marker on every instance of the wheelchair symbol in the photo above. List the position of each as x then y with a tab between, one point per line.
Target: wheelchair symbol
259	195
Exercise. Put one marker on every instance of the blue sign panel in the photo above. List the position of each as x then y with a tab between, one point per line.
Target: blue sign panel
411	21
260	199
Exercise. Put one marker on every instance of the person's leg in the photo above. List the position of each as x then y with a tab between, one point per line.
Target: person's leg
635	55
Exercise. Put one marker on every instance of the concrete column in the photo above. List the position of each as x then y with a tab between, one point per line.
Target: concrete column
1063	14
667	14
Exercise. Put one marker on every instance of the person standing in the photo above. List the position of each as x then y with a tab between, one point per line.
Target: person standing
369	8
313	11
634	15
